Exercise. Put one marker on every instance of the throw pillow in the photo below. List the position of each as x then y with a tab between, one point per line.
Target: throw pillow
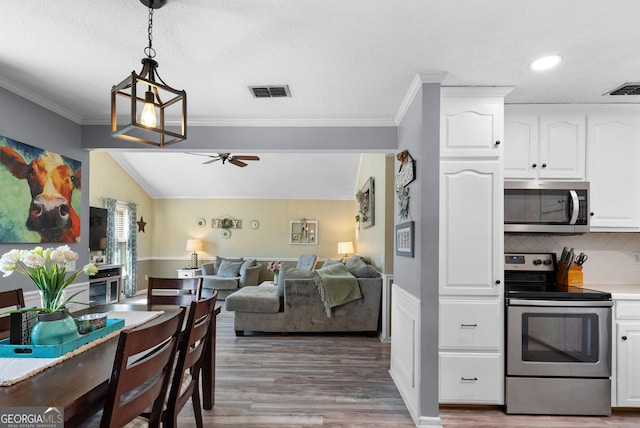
221	259
247	264
360	268
288	272
229	269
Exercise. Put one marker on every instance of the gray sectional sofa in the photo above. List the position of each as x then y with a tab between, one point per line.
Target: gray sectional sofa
296	306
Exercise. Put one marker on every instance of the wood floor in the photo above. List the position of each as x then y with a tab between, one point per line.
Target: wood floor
342	381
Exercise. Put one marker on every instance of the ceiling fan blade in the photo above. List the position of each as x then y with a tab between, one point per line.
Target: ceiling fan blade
236	162
210	161
242	157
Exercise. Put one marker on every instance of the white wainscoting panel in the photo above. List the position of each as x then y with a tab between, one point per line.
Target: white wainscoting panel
405	348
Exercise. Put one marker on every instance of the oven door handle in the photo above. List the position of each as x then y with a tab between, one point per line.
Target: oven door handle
560	303
575	207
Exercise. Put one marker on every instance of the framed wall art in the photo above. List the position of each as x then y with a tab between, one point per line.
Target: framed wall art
404	239
366	204
303	232
27	219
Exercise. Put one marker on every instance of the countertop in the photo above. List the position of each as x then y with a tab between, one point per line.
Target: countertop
618	291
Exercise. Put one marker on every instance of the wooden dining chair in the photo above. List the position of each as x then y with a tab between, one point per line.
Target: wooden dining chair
173	291
186	376
142	372
9	300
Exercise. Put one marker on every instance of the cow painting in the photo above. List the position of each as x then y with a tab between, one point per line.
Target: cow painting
40	185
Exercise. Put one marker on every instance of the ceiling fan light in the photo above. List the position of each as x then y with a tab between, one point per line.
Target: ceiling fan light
545	62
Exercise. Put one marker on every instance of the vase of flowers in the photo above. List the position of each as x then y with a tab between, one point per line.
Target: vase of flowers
274	267
47	269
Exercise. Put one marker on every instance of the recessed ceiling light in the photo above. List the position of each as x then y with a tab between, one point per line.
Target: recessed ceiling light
545	63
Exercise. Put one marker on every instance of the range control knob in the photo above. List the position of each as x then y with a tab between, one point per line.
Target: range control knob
537	262
546	262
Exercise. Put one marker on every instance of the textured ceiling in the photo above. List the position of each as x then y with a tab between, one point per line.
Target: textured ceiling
346	62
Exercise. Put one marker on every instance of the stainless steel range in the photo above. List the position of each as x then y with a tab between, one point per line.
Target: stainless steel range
558	342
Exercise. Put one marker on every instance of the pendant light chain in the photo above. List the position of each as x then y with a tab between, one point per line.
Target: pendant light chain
149	51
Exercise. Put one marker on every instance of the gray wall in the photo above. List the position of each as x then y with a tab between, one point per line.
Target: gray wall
24	121
419	133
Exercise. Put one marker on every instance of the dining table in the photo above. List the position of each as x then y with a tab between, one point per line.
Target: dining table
79	384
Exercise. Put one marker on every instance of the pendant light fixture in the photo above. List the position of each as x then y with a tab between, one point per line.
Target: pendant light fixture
148	102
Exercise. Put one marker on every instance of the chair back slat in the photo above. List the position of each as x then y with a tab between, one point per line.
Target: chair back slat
9	300
173	291
142	371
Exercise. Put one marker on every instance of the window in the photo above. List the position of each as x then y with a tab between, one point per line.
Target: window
122	235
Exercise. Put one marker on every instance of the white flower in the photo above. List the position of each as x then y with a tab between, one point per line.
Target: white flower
33	260
12	256
7	266
90	269
57	257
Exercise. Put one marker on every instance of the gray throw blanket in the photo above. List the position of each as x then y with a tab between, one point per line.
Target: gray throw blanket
336	286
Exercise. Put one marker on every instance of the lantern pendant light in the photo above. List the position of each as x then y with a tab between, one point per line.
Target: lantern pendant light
147	101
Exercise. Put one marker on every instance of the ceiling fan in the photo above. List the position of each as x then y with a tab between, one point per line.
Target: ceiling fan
224	157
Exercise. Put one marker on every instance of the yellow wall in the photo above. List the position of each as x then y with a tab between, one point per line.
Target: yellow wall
376	242
175	221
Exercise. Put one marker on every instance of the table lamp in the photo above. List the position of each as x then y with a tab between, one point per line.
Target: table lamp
345	248
194	245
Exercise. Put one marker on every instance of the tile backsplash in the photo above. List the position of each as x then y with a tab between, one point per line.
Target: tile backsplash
610	254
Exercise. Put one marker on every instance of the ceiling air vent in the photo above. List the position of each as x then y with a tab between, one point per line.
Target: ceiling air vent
626	89
270	91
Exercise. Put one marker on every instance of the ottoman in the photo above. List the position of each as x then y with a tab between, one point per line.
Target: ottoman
255	306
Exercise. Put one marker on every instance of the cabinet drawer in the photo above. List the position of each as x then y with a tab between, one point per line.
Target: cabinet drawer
627	309
471	378
188	273
471	325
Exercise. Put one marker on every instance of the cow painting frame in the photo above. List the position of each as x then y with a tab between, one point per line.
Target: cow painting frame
40	195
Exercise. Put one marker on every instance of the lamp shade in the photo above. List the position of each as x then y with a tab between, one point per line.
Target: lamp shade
195	245
345	247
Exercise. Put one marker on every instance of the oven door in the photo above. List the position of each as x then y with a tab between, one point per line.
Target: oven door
559	338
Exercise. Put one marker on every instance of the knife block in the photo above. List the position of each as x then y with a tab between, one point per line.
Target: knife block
570	277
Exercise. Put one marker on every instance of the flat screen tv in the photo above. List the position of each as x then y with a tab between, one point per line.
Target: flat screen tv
97	229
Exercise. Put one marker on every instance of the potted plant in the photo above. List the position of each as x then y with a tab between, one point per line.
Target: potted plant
47	269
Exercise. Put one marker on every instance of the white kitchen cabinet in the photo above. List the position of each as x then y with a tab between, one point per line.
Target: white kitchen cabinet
628	369
471	246
472	122
471	228
626	353
471	378
613	170
471	350
471	324
544	144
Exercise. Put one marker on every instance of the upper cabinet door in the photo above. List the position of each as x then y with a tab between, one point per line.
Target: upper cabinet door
613	169
472	123
562	146
521	146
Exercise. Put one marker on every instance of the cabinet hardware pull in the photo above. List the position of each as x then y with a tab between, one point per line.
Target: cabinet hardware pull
534	165
498	143
544	165
498	282
474	379
624	337
468	325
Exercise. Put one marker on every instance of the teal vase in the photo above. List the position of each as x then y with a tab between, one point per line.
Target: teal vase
54	329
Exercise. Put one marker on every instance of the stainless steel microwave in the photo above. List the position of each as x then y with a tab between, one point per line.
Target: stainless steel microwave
546	207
